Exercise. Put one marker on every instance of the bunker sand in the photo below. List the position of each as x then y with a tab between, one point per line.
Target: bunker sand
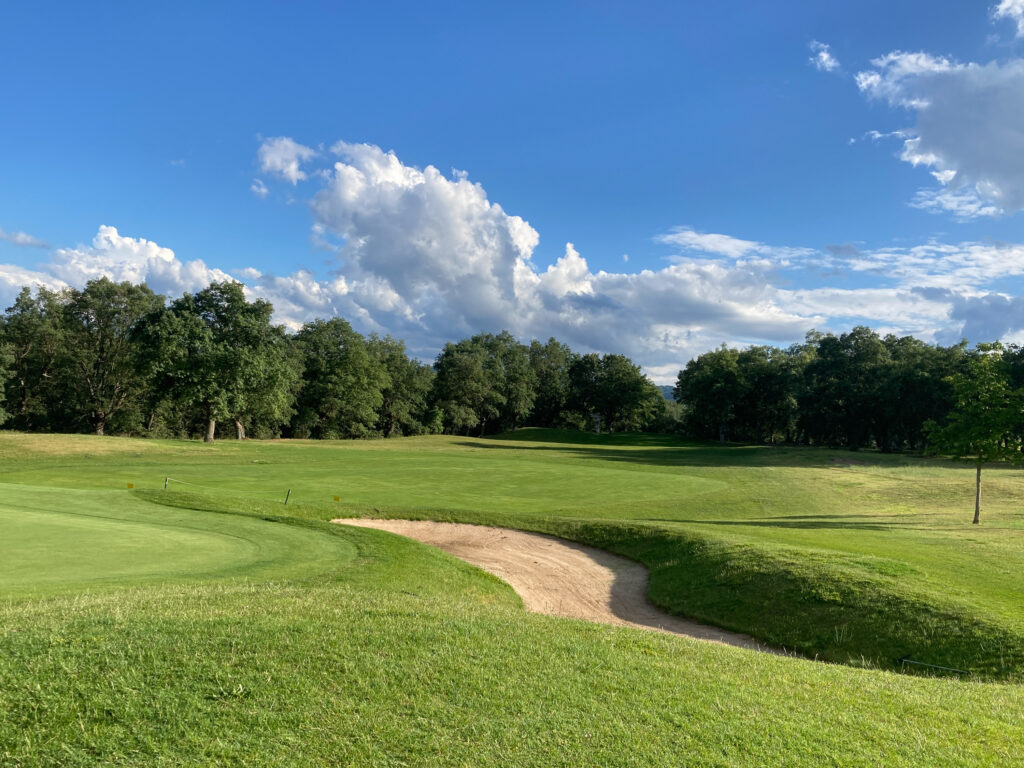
559	577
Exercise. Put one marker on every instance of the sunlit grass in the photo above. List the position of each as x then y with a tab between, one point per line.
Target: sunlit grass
210	623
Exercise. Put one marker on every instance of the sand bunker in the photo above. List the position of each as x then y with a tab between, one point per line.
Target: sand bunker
558	577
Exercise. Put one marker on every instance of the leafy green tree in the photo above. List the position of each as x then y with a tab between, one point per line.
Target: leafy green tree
913	388
513	376
767	407
983	425
613	391
485	381
550	363
627	396
34	332
840	389
343	382
266	401
585	397
101	354
463	388
710	389
217	356
404	408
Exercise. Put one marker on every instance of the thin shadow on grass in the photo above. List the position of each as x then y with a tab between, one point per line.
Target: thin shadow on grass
774	522
703	455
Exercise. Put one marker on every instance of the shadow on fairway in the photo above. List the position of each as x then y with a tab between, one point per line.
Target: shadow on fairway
808	523
667	452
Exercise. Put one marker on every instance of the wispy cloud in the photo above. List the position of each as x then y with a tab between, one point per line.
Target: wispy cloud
822	57
22	239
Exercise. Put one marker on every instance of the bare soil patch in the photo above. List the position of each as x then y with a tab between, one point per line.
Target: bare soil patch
559	577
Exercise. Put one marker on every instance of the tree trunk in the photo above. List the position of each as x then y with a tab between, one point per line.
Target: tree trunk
99	423
977	497
240	429
211	429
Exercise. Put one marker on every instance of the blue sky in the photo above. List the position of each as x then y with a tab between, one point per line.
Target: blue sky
734	173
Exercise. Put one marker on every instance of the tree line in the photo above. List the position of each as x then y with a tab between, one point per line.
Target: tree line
119	358
854	390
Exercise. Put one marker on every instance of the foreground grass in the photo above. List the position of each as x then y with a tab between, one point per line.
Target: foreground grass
378	664
218	626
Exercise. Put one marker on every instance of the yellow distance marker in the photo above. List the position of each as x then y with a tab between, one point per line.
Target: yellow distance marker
131	485
337	498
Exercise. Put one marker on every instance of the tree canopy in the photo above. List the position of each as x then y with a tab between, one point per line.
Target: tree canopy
115	357
983	425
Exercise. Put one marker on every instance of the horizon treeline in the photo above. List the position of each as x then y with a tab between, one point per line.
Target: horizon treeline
117	358
855	390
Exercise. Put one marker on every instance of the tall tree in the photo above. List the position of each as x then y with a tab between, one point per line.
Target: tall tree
766	408
343	382
485	381
913	387
101	353
463	390
404	396
613	391
840	391
33	329
550	363
627	397
220	357
983	424
512	375
710	389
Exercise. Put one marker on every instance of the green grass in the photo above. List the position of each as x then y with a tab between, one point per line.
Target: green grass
216	625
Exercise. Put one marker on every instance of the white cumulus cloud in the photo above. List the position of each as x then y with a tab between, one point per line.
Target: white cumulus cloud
116	257
283	157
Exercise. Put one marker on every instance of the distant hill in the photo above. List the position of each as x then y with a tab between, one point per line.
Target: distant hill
666	391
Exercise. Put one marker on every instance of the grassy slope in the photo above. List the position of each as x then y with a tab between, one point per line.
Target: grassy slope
303	643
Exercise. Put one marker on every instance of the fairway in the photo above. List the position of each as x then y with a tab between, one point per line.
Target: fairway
210	622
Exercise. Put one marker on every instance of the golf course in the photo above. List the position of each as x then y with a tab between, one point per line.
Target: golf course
210	622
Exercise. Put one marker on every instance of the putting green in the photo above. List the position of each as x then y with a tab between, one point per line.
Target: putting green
55	540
